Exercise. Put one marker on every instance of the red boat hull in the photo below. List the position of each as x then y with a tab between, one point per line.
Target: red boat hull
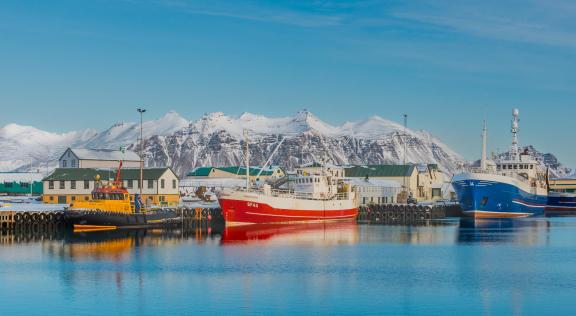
236	211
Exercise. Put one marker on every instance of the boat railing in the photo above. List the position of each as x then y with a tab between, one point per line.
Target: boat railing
305	195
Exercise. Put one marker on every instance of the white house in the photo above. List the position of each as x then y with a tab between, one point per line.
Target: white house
98	158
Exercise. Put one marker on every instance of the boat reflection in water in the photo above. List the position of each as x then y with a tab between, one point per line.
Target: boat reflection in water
119	244
317	234
532	231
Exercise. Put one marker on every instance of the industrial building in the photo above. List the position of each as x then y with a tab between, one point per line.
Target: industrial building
374	191
425	182
256	173
563	185
66	185
20	183
98	158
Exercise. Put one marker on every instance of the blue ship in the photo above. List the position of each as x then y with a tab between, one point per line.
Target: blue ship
561	204
515	186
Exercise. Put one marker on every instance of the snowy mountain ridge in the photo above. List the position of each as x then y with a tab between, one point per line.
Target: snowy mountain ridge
217	140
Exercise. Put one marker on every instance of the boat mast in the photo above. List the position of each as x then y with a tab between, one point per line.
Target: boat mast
515	128
247	161
141	111
484	143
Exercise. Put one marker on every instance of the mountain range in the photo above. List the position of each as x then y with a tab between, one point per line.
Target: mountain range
218	140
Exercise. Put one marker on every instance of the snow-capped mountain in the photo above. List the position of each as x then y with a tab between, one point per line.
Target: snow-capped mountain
27	148
217	140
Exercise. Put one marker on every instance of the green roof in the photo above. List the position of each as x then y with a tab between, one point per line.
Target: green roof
67	174
205	171
379	171
200	172
242	171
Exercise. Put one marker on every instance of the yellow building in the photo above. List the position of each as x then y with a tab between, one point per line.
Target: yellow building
566	185
66	185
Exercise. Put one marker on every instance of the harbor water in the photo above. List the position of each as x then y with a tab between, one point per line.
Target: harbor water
452	267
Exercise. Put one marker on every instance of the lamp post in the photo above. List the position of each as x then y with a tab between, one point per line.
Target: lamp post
141	111
405	152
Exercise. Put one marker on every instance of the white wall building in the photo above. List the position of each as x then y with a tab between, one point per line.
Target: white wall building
376	191
98	158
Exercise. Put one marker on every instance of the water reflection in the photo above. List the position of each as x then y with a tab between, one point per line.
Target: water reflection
529	231
293	234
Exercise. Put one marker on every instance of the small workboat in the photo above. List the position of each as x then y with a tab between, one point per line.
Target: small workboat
110	207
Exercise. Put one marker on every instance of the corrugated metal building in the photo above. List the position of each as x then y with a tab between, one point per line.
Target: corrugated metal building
235	172
20	183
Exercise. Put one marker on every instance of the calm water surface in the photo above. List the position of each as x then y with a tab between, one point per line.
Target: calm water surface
520	267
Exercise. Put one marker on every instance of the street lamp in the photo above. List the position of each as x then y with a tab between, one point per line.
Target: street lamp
141	111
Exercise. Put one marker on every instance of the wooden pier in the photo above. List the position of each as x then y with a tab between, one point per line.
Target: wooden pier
39	221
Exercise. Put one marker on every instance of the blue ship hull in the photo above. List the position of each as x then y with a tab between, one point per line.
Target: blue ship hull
561	204
489	198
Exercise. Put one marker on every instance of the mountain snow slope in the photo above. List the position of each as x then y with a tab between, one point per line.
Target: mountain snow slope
217	140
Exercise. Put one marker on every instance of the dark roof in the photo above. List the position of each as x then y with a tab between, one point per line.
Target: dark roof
379	171
105	174
200	172
103	154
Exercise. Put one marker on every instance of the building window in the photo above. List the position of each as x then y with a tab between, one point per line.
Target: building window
130	184
51	198
51	185
150	184
161	198
73	184
64	163
62	185
162	183
73	198
73	163
86	184
85	198
173	184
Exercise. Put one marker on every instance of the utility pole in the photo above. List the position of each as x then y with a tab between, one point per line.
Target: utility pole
141	181
405	150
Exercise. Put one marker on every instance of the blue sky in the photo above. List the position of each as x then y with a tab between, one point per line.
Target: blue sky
67	65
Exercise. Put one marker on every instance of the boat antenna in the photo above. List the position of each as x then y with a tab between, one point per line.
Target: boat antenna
484	143
514	151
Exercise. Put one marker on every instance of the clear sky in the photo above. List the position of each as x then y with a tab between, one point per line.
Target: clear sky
69	64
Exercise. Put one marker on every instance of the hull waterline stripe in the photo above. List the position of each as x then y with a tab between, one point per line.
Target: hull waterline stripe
529	205
296	216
